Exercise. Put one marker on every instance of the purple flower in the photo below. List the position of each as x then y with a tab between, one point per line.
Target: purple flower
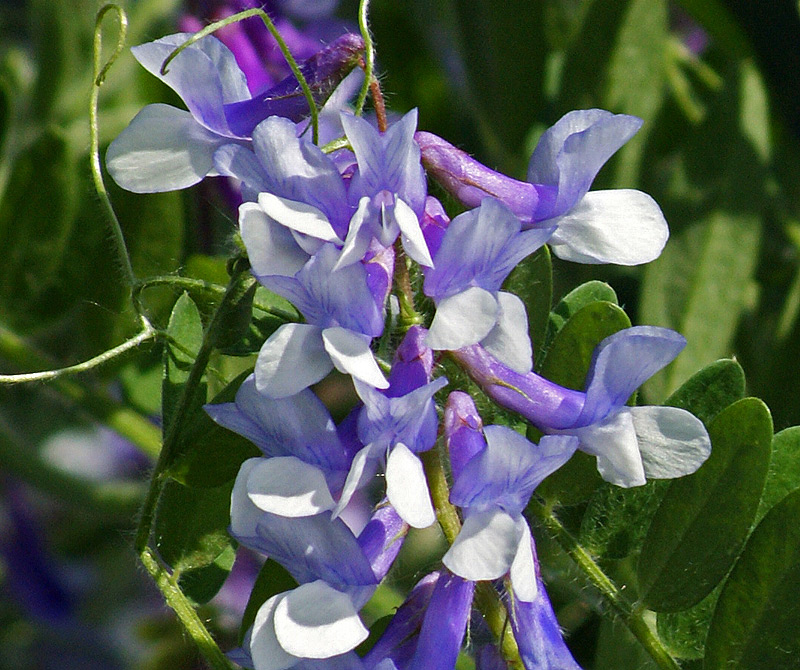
493	488
630	443
621	226
165	148
478	251
388	189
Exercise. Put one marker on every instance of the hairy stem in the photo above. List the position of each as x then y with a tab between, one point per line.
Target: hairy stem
610	591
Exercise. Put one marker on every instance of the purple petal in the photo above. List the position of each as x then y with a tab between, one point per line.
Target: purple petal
413	364
622	363
536	629
570	154
296	169
463	431
381	539
205	76
539	400
444	624
471	182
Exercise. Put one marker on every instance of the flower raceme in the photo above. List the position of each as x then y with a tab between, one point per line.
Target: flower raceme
332	503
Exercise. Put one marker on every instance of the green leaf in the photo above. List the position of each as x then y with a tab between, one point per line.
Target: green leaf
269	312
617	649
757	617
684	633
703	521
706	393
191	525
185	333
783	475
567	363
213	454
575	300
202	584
616	519
272	579
532	281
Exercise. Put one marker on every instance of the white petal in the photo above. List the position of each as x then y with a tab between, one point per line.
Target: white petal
485	547
615	444
163	149
623	226
673	442
412	238
523	568
407	488
298	216
271	248
351	354
509	341
265	650
357	476
292	359
244	514
317	621
287	486
463	319
358	236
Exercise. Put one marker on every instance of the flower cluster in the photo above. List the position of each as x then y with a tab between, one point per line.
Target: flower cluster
334	233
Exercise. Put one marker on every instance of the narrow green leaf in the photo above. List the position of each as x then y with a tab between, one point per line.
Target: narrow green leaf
706	393
37	216
757	617
532	281
699	286
576	299
703	521
215	453
272	579
566	363
783	475
191	525
185	332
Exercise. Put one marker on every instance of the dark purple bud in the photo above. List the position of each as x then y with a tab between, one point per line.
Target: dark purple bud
323	72
470	181
463	431
399	639
381	539
413	364
542	402
444	624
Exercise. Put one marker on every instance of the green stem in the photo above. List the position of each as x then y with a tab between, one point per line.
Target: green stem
369	56
487	599
290	60
629	614
97	406
172	431
185	611
123	258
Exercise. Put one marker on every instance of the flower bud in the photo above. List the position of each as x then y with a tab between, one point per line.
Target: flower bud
323	72
463	430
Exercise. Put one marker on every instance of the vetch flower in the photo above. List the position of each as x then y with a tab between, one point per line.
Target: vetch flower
388	188
630	443
622	226
478	251
493	488
165	148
